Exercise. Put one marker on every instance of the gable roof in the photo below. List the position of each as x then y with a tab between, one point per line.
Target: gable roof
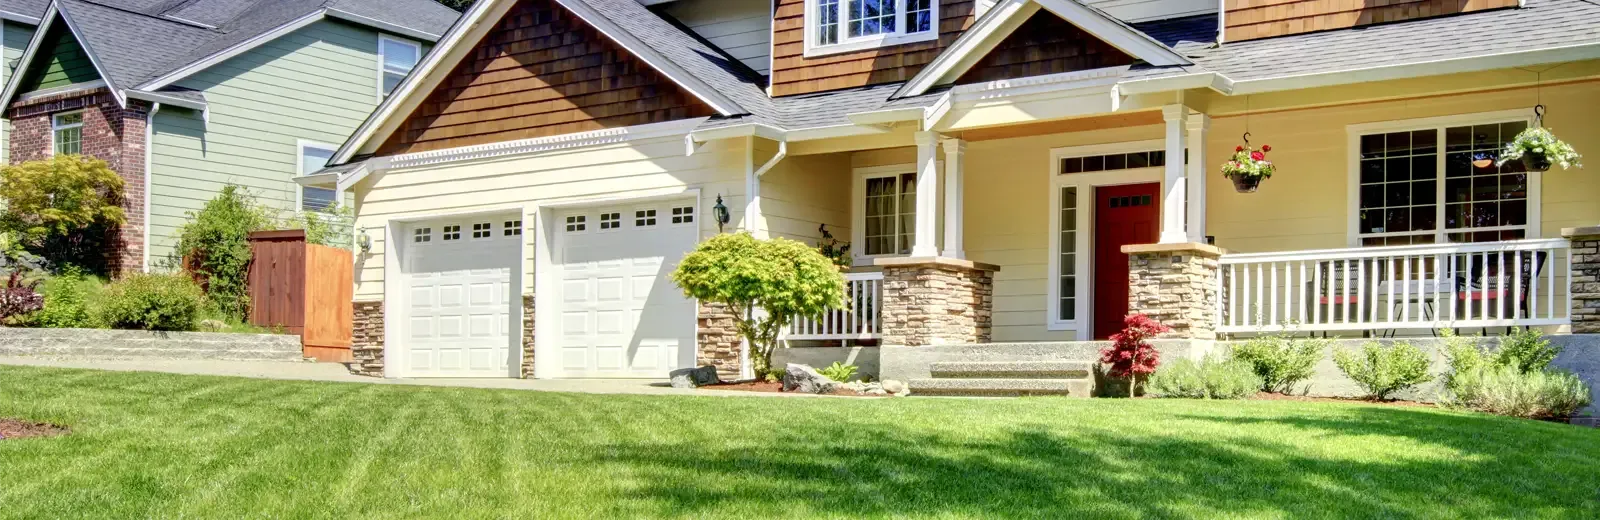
700	69
149	44
24	11
1004	18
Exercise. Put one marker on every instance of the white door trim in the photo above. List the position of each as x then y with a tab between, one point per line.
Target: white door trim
395	365
542	215
1086	182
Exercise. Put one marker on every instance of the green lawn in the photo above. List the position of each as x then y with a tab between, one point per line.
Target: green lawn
152	445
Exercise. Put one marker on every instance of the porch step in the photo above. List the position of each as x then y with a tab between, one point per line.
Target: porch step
1043	369
1002	387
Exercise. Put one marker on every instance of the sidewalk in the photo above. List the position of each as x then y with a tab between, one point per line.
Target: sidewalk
335	372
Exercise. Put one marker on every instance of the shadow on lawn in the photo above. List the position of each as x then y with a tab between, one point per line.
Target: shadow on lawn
1100	471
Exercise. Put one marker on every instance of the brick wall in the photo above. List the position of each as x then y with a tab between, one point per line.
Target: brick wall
111	133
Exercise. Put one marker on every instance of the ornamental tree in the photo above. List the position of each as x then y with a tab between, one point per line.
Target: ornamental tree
1130	355
764	283
62	208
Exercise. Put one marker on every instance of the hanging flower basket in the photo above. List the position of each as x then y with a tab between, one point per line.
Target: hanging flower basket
1248	167
1538	149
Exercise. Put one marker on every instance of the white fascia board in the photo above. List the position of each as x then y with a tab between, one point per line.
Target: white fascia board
319	180
722	104
538	145
1193	80
416	34
18	17
1505	60
745	130
237	49
163	98
353	177
27	55
835	131
424	77
885	117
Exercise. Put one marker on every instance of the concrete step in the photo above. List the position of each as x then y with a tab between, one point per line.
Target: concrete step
1043	369
1002	387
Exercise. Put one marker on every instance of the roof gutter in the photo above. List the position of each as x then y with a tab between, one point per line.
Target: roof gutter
18	17
161	98
1193	80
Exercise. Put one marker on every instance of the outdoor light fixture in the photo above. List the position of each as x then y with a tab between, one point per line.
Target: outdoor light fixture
720	213
364	241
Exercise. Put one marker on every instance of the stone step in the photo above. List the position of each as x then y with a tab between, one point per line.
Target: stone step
1043	369
1002	387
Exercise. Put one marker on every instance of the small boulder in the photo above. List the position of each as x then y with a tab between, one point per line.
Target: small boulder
803	378
694	377
896	387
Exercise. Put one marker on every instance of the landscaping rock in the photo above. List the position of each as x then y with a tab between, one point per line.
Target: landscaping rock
895	387
803	378
694	377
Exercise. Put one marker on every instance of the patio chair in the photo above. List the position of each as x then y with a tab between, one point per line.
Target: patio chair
1483	280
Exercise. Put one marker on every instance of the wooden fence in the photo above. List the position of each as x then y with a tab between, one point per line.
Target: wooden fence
305	289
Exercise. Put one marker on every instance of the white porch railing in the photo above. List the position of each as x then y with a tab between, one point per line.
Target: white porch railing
1496	284
861	320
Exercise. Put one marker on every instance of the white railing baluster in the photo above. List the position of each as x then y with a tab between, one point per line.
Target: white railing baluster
861	318
1273	294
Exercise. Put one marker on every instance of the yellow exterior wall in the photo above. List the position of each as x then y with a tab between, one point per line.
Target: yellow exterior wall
640	168
802	192
1306	204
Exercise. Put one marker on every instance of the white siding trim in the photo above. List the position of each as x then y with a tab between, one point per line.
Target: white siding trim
545	144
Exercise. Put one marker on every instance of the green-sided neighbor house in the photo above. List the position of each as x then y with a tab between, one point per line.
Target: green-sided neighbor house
183	97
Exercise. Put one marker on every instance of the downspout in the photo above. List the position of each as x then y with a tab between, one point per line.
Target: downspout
149	151
752	212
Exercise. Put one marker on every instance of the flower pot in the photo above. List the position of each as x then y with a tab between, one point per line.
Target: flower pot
1246	183
1536	162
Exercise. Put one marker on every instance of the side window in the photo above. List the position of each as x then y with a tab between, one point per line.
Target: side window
314	157
396	57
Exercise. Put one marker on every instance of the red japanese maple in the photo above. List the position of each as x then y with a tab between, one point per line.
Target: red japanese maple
1130	354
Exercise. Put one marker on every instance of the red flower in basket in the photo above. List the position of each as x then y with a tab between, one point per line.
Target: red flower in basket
1258	156
1266	148
1238	148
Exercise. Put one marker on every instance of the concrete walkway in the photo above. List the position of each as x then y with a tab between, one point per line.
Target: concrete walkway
337	373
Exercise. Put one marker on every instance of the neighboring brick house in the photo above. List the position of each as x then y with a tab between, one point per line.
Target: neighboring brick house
182	98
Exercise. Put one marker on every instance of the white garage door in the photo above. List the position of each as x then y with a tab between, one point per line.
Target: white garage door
460	298
621	315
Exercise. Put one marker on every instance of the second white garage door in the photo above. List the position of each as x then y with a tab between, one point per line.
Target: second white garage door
621	315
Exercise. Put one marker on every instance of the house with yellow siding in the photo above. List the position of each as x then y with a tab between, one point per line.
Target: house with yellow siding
1005	172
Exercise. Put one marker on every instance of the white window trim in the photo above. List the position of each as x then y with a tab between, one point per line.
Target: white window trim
382	38
54	127
300	146
861	43
1353	135
1086	184
858	208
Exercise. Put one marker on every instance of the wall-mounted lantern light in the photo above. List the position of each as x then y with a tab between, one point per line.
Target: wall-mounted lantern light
720	213
364	241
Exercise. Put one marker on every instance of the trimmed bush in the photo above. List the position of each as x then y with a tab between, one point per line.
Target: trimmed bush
67	301
169	302
1282	361
62	208
1383	370
1527	350
1505	390
1211	378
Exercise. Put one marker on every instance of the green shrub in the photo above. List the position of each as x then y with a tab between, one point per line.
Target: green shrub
62	209
1527	350
1211	378
215	245
151	302
68	299
1281	361
839	371
1506	390
1383	370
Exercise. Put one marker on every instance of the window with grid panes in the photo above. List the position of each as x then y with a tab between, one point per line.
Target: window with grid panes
1412	192
890	214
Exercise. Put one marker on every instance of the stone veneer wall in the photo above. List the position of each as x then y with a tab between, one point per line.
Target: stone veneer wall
111	133
527	336
366	342
1175	284
718	340
936	301
1585	281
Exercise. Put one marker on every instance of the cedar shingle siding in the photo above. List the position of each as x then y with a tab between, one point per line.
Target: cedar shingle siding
541	72
1045	44
1251	19
793	73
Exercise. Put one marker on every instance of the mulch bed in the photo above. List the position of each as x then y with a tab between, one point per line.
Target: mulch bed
1268	396
771	386
15	429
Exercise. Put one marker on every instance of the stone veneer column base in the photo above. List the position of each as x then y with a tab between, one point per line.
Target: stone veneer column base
936	301
527	336
1175	284
718	340
1585	282
366	340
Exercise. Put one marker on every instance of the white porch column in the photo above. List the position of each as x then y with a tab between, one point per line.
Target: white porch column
924	243
752	190
954	150
1174	188
1196	176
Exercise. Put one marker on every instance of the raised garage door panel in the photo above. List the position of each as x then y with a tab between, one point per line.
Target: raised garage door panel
460	299
620	314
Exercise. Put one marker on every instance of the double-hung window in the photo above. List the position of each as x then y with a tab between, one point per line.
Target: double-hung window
396	57
887	210
1439	183
850	25
66	133
314	157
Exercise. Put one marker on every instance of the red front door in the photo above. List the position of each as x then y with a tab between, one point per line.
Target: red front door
1122	215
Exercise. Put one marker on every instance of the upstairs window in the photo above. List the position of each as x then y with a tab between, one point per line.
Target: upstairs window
66	133
850	25
313	158
396	57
